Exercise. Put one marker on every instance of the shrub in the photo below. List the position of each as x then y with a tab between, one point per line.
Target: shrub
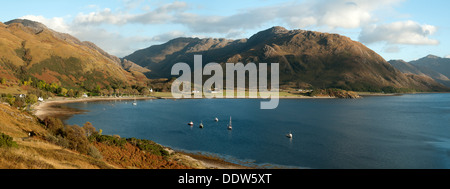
54	125
10	100
7	141
93	152
89	129
71	136
109	140
76	137
31	99
149	146
58	140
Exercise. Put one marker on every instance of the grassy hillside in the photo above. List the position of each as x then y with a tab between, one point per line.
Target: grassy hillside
53	145
31	53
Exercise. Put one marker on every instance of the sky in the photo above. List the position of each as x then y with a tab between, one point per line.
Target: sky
395	29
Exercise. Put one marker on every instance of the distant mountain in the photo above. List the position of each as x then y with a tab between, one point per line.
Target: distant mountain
29	49
438	64
307	59
432	66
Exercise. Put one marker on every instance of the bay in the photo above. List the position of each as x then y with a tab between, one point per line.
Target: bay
410	131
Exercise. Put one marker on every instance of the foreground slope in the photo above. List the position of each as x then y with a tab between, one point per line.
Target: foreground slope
33	152
48	148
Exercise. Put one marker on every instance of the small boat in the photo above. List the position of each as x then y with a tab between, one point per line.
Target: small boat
229	126
201	124
134	103
216	119
289	135
191	123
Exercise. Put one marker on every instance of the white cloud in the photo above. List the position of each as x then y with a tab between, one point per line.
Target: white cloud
321	15
168	36
448	56
162	14
112	42
310	13
405	32
391	49
55	23
100	17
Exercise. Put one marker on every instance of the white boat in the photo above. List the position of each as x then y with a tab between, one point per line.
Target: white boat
229	126
134	103
216	119
201	124
289	135
191	123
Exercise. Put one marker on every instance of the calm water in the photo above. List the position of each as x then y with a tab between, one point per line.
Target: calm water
409	131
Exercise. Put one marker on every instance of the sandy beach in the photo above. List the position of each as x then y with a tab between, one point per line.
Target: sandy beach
53	107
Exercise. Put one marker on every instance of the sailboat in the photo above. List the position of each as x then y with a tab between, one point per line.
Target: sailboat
229	126
134	103
289	135
201	124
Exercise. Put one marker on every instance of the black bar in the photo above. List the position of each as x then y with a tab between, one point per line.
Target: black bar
233	177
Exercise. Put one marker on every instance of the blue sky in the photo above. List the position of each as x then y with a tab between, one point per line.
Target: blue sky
396	29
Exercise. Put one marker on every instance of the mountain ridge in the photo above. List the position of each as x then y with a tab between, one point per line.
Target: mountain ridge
431	66
31	51
306	59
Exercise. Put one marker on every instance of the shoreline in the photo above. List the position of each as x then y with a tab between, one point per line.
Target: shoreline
53	107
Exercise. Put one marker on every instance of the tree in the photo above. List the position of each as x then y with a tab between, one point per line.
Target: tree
89	129
10	100
31	99
41	84
70	93
97	89
54	125
63	91
76	136
3	81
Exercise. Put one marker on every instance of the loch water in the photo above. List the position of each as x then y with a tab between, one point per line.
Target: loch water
410	131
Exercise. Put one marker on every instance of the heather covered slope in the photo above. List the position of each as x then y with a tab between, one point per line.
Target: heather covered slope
34	152
31	51
307	59
53	145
